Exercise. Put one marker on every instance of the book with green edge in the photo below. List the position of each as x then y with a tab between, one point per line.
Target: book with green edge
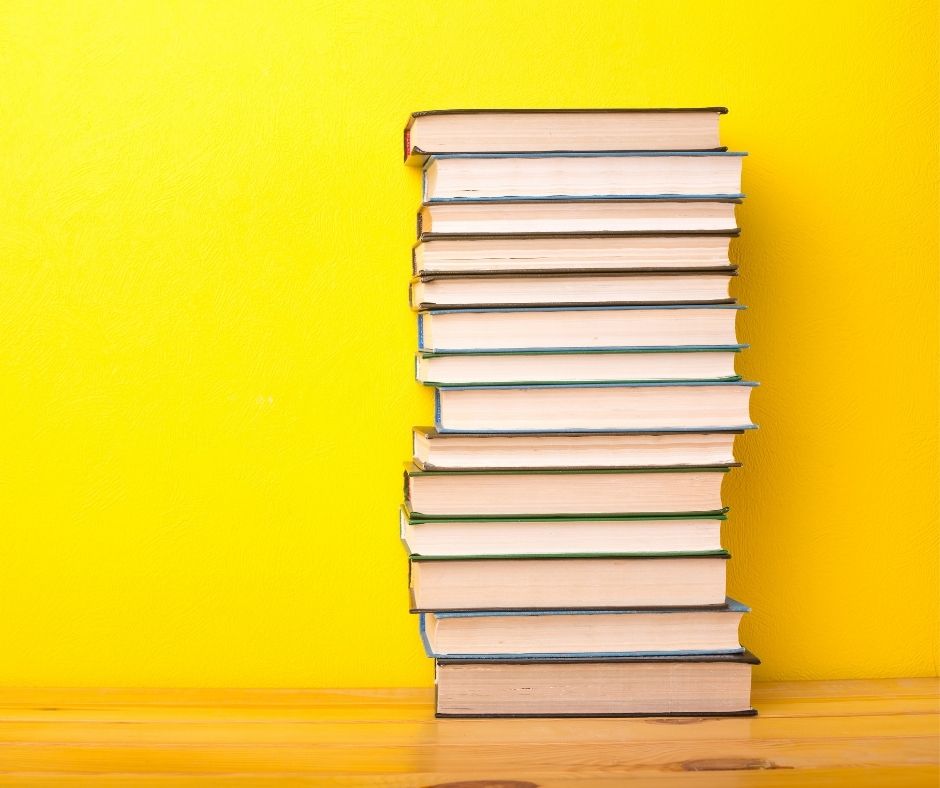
560	634
571	491
552	406
416	518
413	470
565	556
574	581
453	537
580	351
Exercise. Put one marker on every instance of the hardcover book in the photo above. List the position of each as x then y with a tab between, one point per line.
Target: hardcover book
552	534
600	175
639	686
554	217
572	288
583	407
576	491
583	252
435	450
558	634
567	582
593	365
528	130
554	328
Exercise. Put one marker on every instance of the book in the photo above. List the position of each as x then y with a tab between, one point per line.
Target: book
541	217
563	518
615	175
586	365
591	252
571	288
547	328
584	407
575	491
513	130
559	535
638	686
568	582
435	450
535	634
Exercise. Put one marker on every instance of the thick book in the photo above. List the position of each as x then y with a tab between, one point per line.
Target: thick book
548	328
589	365
685	490
541	217
435	450
540	130
550	176
713	685
572	288
450	535
541	634
586	252
585	407
567	582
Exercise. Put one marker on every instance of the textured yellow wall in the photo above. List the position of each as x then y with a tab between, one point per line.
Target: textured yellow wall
206	348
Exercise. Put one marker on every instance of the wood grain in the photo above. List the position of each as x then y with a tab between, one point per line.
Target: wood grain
851	733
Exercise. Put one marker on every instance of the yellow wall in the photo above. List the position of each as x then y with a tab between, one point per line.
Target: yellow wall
206	350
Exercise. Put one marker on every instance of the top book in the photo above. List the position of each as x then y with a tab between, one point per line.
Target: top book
560	130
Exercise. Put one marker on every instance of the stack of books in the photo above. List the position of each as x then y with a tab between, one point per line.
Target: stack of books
562	517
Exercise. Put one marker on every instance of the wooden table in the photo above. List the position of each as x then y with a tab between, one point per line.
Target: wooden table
822	733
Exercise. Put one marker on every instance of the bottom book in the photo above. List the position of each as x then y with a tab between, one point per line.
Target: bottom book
640	686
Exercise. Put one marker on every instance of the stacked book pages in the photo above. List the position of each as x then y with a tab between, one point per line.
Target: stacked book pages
562	516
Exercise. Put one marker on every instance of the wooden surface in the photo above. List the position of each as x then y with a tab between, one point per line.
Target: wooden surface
831	733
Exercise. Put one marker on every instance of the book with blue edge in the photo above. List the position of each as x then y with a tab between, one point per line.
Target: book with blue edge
589	365
563	516
550	534
693	406
460	226
612	175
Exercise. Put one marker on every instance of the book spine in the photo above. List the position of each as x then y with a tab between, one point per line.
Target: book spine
424	636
